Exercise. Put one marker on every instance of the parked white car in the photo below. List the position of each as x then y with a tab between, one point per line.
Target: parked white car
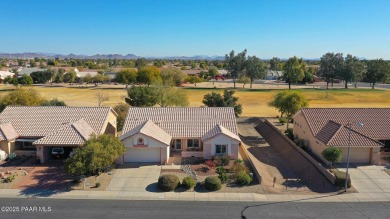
57	151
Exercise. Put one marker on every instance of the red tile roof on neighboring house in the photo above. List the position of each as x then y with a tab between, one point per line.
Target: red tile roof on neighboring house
39	121
376	121
336	134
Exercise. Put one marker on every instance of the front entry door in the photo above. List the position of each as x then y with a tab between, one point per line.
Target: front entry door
178	144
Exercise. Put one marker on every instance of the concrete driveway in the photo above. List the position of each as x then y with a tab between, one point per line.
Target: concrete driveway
135	178
368	178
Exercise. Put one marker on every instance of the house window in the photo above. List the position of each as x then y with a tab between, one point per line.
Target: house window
192	143
220	149
24	145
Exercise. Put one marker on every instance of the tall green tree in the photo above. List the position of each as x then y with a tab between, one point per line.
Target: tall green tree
172	76
171	96
352	70
294	70
25	80
140	63
288	102
330	65
228	99
149	75
141	96
213	72
274	64
235	64
255	69
21	97
70	77
126	76
377	71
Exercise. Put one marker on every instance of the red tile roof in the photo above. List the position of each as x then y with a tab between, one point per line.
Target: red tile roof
336	134
376	120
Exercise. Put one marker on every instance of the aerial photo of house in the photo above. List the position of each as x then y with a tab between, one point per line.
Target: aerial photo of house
151	134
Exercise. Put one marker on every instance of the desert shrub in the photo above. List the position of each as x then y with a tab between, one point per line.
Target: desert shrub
97	185
243	178
237	168
168	182
222	174
220	169
213	183
290	133
238	161
222	160
188	182
9	179
210	164
340	179
282	120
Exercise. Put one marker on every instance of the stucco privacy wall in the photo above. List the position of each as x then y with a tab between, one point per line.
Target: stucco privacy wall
221	139
4	146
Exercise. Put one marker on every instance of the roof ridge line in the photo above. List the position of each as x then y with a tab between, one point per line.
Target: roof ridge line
363	135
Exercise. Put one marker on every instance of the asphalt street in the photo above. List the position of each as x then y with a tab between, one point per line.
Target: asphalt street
72	208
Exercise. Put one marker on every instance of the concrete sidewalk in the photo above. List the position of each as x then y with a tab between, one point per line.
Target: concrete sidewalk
195	196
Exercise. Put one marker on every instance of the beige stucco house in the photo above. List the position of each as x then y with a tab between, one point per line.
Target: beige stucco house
152	134
36	130
323	127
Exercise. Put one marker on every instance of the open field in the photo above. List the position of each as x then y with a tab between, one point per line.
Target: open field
254	101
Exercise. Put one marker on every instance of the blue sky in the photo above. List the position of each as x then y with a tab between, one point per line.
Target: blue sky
306	28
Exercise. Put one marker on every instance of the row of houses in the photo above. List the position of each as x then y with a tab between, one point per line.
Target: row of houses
153	134
150	134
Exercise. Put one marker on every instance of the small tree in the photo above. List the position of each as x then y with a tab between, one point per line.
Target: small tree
332	154
101	97
21	97
126	76
288	102
96	155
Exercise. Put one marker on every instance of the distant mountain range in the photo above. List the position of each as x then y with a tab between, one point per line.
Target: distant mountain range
26	55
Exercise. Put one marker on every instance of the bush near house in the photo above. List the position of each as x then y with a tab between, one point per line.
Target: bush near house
300	143
340	179
188	182
210	164
222	174
243	178
222	160
168	182
213	183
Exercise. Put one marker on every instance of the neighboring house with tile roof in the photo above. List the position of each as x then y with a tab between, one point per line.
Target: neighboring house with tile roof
323	127
37	129
153	134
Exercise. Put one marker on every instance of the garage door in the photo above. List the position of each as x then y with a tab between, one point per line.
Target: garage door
142	155
357	155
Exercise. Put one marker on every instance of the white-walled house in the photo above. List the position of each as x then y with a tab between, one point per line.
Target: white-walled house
151	134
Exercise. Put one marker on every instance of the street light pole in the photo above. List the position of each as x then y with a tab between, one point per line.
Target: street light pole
349	147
